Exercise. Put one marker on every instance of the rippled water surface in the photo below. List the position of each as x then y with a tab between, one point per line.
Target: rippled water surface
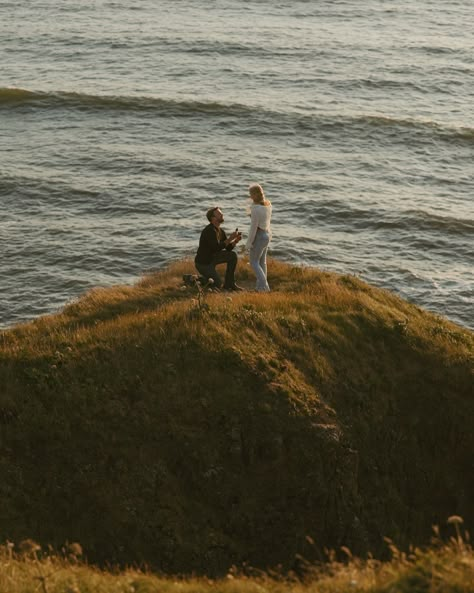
121	123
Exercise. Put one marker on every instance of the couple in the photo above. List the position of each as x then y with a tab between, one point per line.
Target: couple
216	248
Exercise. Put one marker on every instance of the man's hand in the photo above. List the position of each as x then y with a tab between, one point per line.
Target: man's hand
234	238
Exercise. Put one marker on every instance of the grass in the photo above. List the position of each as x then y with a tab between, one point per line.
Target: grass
442	568
152	429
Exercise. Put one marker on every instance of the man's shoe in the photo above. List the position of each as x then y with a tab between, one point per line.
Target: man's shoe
234	288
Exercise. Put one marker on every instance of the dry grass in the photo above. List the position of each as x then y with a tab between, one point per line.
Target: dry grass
443	568
330	303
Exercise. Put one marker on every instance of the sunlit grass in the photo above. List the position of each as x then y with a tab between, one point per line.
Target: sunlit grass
329	302
443	568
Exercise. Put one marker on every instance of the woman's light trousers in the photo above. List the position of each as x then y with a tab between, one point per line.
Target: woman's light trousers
258	259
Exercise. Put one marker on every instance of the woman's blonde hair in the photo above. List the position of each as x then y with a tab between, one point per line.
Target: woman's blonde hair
256	189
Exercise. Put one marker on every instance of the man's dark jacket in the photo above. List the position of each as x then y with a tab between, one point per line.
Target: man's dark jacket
212	241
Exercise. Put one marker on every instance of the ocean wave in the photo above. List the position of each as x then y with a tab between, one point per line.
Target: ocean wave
384	84
428	221
209	47
435	49
23	97
408	221
441	129
294	120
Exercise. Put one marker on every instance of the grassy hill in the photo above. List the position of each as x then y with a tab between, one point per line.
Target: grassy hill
251	428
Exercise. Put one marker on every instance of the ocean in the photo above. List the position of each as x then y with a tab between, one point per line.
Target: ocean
122	122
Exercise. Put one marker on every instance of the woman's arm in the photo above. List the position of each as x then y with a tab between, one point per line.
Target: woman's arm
253	227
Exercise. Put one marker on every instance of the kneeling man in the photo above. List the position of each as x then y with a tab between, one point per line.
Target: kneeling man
216	248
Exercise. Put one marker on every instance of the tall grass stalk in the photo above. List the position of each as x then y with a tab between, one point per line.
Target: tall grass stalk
446	568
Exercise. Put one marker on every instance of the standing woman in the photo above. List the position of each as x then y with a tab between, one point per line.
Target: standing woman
259	235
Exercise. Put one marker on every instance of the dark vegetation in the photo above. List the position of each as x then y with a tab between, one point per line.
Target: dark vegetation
249	430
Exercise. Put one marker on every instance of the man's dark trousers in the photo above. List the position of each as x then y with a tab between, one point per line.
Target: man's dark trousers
209	270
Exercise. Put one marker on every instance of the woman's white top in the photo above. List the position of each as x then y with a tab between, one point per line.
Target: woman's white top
259	219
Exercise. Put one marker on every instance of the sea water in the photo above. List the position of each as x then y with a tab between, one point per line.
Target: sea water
122	122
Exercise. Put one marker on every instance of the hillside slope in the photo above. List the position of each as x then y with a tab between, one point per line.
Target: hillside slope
251	429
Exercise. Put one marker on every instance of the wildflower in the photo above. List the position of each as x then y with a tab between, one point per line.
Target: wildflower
74	549
455	520
29	547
